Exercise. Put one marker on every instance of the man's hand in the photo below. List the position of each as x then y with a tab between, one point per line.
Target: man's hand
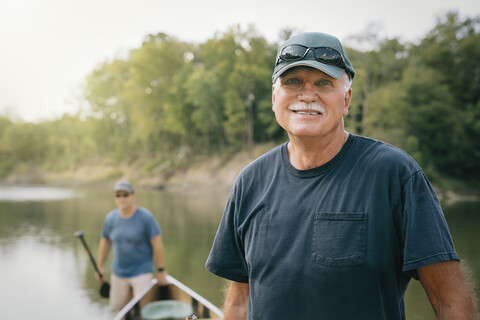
162	278
99	278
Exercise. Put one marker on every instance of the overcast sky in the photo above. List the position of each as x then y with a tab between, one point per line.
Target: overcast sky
48	47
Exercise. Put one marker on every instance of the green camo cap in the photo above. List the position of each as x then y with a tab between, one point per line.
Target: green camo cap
314	39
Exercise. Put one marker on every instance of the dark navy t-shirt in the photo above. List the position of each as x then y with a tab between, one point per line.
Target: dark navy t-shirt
340	241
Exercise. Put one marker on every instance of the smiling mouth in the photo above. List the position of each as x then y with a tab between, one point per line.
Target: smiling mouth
308	113
307	109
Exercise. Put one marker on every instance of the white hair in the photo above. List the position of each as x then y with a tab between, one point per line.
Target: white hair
276	84
348	82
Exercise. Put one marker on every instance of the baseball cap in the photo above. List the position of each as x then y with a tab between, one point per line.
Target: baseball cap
123	186
314	40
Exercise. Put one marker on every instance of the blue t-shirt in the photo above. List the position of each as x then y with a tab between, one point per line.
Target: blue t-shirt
130	238
340	241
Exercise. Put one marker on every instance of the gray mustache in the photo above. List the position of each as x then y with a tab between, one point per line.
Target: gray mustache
307	106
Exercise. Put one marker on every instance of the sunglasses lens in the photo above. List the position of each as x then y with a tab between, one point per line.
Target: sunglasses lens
322	54
328	56
118	195
293	52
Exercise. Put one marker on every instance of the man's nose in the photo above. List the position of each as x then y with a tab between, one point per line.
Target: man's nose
308	93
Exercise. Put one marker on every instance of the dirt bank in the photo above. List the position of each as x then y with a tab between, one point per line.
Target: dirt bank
203	171
211	171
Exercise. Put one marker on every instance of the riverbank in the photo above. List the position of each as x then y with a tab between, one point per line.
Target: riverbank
215	170
212	171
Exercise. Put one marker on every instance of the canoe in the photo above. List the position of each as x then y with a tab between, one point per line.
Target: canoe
174	291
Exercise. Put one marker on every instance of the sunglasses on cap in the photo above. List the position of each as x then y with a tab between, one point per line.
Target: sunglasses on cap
124	194
322	54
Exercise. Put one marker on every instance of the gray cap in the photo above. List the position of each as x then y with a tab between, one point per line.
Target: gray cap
313	40
123	186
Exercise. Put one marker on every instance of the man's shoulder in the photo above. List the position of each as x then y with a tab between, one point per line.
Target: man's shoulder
144	213
382	154
263	163
380	147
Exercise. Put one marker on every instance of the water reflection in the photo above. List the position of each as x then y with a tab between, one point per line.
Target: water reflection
33	193
45	272
40	281
51	269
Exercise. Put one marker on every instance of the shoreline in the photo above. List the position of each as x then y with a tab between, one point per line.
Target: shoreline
213	171
206	172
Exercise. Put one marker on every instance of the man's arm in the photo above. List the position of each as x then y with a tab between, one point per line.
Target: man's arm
157	246
448	291
103	249
236	304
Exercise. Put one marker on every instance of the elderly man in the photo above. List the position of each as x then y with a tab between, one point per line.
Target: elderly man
137	239
331	225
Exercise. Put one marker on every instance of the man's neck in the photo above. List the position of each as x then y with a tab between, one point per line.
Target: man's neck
127	212
307	154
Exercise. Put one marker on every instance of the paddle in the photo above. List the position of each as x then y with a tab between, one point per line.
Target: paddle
105	287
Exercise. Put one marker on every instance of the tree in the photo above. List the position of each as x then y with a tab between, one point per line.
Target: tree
379	65
105	92
170	98
204	92
248	96
153	69
452	49
426	113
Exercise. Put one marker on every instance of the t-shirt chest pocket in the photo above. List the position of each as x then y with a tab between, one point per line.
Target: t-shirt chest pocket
339	238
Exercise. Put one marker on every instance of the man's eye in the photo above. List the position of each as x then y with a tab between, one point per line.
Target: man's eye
323	83
292	82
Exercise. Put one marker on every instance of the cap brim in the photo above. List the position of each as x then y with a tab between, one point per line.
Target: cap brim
122	189
333	71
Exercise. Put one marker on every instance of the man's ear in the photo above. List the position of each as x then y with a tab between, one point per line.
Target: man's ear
348	99
273	97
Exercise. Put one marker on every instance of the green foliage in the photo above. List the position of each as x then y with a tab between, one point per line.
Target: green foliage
427	114
170	100
204	93
7	160
106	96
428	92
452	48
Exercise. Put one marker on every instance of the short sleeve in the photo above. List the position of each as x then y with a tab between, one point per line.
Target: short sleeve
152	227
427	239
106	229
227	257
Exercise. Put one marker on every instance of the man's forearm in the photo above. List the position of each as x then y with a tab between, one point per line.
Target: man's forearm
158	252
448	291
462	306
103	249
236	304
235	312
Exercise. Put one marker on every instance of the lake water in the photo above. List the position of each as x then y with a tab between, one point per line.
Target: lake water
46	273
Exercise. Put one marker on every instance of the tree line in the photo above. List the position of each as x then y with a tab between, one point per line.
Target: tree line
172	100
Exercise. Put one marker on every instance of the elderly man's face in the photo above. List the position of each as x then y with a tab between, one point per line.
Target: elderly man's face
310	104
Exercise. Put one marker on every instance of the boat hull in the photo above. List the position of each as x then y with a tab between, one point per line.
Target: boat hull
175	290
